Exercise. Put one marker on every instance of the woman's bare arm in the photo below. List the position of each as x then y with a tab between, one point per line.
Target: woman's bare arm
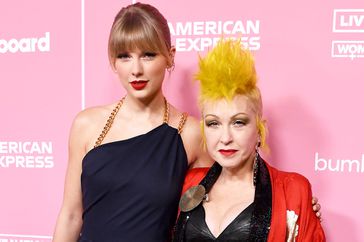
69	220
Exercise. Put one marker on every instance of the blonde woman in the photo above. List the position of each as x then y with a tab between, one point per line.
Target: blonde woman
127	160
242	197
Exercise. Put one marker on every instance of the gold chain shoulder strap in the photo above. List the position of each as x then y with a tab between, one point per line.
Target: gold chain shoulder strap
166	111
182	122
116	110
109	123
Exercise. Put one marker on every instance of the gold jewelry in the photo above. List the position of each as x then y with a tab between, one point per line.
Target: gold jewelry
166	111
111	118
109	123
182	122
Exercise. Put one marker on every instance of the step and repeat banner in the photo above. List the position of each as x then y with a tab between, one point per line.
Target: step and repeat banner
310	61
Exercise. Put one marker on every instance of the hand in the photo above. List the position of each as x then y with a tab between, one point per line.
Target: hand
316	207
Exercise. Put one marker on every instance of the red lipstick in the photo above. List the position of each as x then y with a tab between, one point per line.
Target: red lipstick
138	85
228	152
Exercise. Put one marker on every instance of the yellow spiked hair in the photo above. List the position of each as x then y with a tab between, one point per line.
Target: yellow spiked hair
228	70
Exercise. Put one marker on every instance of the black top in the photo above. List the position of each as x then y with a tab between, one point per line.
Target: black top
252	224
198	231
131	187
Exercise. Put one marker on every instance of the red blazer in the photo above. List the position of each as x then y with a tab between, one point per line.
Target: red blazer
291	206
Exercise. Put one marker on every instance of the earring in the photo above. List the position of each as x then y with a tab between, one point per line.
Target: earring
255	165
170	68
255	170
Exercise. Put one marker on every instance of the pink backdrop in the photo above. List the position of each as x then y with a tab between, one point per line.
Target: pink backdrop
309	55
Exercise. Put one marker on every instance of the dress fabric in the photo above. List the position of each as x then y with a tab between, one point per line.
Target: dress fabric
131	187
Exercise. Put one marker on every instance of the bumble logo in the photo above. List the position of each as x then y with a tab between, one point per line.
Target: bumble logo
199	36
29	154
339	165
348	21
26	45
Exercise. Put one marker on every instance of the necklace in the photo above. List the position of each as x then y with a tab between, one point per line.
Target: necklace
112	116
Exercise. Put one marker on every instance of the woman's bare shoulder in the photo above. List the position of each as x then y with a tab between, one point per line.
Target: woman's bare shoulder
193	142
191	127
93	115
89	122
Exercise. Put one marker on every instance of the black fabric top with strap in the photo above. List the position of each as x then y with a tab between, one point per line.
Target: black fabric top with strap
131	188
252	224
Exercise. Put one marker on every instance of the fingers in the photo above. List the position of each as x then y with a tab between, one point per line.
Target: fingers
314	200
316	207
318	215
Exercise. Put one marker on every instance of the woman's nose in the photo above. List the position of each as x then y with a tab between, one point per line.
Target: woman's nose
137	68
226	137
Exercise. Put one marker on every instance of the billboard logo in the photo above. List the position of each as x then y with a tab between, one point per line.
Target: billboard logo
348	21
199	35
26	45
349	48
339	165
29	154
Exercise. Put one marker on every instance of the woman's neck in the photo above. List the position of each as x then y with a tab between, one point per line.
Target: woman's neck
148	106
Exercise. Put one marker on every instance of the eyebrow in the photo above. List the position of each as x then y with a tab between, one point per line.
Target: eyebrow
215	116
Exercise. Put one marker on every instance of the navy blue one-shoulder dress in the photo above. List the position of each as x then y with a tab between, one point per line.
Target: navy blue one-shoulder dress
131	187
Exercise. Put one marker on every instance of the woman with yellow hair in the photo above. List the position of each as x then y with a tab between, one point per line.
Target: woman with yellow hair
242	197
